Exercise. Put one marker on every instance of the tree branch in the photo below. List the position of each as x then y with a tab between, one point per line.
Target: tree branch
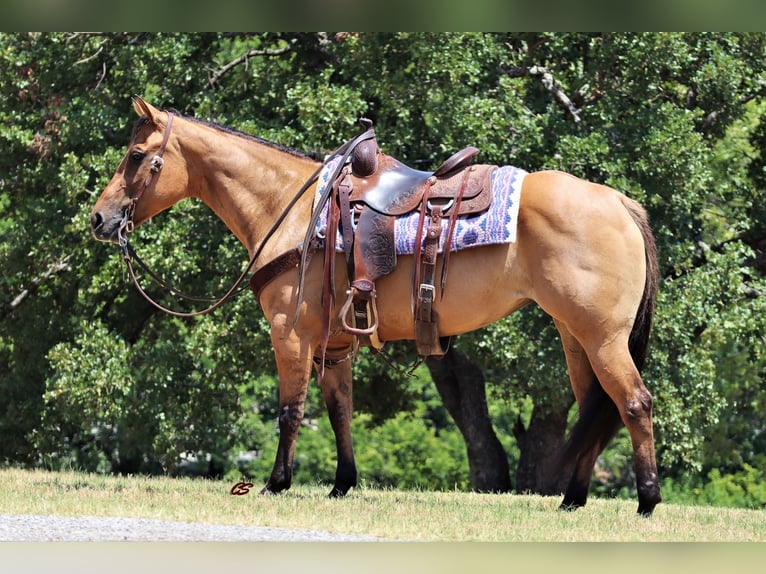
712	118
550	84
215	78
56	268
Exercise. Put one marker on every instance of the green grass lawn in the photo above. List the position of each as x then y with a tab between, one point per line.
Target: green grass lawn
389	514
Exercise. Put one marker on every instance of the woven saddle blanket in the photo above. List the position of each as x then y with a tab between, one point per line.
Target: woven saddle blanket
497	225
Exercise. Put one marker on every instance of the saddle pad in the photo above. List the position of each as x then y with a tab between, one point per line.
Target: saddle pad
496	225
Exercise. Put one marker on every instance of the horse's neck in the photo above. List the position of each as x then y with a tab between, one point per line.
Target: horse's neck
249	184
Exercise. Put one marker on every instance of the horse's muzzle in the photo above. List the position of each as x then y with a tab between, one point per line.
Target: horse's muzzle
104	228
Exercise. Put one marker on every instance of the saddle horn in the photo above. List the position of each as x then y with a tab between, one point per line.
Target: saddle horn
364	159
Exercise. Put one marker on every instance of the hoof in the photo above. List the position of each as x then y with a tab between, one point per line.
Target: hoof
645	509
273	489
645	512
339	492
345	480
648	498
570	504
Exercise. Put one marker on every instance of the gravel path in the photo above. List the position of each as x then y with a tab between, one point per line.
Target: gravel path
32	528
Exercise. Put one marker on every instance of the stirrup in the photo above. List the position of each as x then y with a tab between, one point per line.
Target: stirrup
373	309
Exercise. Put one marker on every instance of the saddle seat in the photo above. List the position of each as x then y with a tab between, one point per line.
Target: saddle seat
394	188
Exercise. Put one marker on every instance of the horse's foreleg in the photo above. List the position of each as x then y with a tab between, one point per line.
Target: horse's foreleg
337	389
294	368
290	417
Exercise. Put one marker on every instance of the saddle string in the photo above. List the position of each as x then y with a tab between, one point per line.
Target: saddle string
451	228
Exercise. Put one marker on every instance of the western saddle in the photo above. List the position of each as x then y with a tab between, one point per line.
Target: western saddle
364	196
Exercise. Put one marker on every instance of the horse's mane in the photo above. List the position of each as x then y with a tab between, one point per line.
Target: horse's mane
227	130
231	131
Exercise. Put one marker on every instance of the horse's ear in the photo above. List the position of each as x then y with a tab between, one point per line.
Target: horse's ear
145	109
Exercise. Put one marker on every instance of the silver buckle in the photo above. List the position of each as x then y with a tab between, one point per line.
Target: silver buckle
157	163
427	292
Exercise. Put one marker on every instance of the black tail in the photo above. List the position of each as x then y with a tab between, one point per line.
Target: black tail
639	336
599	418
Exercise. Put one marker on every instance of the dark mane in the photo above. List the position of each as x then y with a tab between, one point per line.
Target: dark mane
231	131
141	121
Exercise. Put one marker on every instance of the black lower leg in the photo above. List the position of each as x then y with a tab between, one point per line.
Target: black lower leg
282	474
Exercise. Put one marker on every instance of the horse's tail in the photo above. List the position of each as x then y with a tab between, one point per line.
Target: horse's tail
599	418
639	336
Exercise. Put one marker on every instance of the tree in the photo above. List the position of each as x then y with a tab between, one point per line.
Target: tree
90	375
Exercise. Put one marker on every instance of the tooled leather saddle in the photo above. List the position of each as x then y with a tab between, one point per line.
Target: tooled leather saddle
364	195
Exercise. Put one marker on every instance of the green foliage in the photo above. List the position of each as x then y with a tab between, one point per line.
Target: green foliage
744	488
91	376
404	452
522	357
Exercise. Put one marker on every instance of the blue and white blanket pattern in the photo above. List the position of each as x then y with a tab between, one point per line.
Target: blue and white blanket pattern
497	225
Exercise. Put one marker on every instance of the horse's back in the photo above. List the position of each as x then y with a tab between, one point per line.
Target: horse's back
571	217
562	197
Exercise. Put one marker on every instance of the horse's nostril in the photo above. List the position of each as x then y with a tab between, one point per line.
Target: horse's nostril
96	220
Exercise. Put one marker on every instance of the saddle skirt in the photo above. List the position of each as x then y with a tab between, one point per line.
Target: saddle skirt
496	225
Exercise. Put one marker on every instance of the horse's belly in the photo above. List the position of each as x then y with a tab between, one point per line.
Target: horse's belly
483	285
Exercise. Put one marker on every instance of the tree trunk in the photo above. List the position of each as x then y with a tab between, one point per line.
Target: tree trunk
462	388
539	470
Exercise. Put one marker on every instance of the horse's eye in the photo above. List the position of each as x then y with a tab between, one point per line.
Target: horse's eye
137	156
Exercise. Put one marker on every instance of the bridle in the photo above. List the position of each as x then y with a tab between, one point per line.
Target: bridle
127	226
129	254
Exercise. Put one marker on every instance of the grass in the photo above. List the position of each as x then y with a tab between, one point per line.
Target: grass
389	514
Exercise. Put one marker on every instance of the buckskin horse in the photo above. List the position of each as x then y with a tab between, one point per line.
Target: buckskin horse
583	252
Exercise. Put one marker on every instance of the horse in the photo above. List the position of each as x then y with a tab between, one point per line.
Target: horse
584	253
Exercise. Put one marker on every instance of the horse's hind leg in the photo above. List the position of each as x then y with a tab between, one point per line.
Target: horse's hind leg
598	421
337	389
619	377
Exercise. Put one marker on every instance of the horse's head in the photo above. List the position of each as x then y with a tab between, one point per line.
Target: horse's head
150	178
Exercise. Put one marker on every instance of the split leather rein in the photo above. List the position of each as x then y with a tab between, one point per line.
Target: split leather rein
157	162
